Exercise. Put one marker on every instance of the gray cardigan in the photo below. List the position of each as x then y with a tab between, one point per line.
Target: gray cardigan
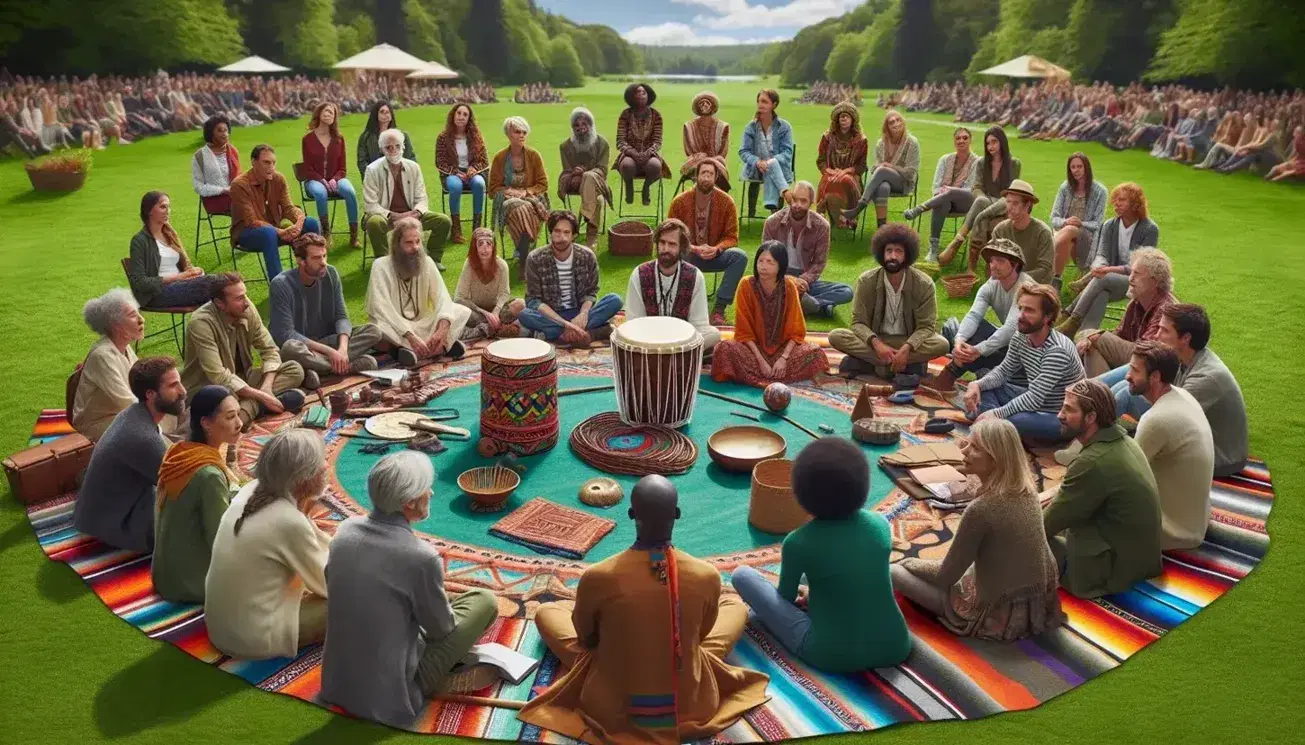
116	501
1094	210
386	587
143	267
1145	233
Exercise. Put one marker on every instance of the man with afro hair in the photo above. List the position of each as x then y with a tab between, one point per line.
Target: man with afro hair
894	311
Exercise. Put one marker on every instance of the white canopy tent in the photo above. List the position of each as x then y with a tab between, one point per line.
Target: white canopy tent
254	64
433	71
382	58
1028	66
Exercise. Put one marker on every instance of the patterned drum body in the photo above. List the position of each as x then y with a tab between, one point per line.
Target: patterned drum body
656	362
518	396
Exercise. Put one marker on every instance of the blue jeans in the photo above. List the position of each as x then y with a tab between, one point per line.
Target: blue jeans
317	190
733	262
1038	425
599	315
823	294
453	185
263	239
785	621
951	327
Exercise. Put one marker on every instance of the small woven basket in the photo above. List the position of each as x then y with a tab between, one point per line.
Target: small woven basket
601	492
630	238
489	487
959	285
876	431
773	508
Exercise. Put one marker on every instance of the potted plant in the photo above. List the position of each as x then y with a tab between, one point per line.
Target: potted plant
64	171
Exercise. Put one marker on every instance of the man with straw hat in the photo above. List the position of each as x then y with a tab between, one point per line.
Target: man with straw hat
976	344
1034	236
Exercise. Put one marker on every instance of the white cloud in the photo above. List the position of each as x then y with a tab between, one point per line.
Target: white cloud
679	34
735	14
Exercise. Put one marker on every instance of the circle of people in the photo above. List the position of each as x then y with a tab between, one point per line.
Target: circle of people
271	580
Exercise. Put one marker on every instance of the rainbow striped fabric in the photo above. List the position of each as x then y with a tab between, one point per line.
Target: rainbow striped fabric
944	678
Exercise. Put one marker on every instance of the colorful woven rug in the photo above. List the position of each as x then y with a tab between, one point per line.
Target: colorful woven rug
944	678
549	528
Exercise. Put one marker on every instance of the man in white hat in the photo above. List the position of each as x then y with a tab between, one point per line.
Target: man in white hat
1034	236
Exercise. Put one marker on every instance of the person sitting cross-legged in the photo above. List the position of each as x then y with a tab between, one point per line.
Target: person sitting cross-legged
713	226
392	635
848	620
408	302
194	491
265	591
977	345
484	289
894	311
1186	328
394	190
998	580
1178	443
1028	387
262	216
1103	522
770	333
637	674
309	321
116	501
584	171
805	233
669	285
562	302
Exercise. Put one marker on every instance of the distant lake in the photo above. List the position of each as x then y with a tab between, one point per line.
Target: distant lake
684	78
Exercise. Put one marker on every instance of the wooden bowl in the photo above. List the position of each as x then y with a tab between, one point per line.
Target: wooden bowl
489	486
742	447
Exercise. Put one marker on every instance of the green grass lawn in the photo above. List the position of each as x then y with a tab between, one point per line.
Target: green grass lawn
71	672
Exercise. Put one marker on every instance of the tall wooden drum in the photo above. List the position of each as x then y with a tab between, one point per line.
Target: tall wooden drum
656	362
518	396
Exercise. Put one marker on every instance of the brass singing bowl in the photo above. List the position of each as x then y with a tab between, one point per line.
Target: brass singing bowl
742	447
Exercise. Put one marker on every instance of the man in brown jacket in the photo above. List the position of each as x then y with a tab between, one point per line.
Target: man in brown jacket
894	311
220	340
262	216
713	235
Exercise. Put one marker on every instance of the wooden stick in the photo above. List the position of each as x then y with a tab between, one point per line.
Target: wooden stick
745	416
590	389
733	400
459	698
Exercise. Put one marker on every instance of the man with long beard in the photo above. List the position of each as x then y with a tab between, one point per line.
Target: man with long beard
670	286
585	155
894	311
408	302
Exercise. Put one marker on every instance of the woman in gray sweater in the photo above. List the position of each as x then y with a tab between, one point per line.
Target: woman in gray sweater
999	578
1077	213
953	184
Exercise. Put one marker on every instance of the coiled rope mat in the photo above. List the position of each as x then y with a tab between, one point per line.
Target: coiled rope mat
608	444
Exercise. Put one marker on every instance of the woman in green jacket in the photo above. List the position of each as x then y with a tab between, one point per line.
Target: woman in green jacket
160	273
194	490
369	147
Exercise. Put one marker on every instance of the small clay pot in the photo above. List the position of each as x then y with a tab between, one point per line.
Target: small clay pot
340	401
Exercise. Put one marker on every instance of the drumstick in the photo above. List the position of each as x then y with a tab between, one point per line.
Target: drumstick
733	400
459	698
590	389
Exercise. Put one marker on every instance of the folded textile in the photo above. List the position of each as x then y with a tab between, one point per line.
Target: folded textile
541	525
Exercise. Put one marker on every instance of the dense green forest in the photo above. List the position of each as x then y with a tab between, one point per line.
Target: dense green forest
736	59
505	41
886	43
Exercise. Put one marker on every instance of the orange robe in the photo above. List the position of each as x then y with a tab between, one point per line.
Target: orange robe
738	363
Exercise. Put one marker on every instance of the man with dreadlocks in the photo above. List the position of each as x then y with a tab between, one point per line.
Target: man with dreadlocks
644	641
584	171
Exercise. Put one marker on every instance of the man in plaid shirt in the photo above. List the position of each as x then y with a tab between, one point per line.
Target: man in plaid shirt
562	302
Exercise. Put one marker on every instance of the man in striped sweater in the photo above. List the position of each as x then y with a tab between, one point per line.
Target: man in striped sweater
1028	387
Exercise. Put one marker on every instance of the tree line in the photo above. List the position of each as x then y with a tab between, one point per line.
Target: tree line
889	43
502	41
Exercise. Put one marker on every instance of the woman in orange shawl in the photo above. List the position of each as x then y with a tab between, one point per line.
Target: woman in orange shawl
769	343
842	163
193	492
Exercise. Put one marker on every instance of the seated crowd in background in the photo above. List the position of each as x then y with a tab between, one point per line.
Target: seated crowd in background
537	93
825	92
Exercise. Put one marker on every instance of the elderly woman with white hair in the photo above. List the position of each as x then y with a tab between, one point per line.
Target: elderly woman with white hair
518	184
998	580
102	390
394	634
265	592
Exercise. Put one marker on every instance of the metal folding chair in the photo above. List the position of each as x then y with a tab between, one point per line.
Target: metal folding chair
202	215
176	320
748	194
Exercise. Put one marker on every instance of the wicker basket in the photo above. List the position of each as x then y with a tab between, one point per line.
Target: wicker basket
773	507
959	285
876	431
630	238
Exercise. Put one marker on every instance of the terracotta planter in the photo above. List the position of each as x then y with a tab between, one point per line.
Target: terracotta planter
56	180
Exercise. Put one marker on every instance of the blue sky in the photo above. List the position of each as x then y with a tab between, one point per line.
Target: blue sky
699	22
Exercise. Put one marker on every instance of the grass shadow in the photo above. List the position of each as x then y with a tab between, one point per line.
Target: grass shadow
19	532
33	196
343	729
146	694
59	583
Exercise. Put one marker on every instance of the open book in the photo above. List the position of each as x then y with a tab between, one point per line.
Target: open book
511	664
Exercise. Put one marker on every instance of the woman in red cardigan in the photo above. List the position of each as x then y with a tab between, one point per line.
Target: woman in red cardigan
323	171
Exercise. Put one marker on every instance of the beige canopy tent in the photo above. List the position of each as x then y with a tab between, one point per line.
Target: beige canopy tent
1028	66
254	64
433	71
383	58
